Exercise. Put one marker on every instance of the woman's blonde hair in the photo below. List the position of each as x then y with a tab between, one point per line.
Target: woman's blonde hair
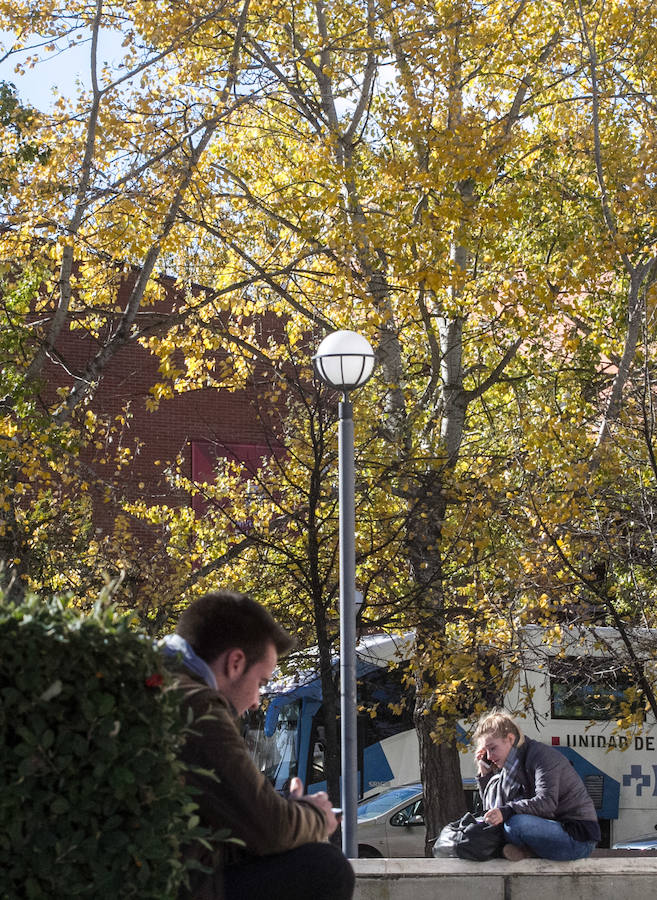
498	724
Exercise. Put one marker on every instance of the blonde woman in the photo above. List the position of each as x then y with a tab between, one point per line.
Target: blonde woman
534	791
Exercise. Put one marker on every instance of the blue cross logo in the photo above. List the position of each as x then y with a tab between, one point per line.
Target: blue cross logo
642	781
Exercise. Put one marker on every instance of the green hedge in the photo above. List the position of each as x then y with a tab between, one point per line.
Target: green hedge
92	799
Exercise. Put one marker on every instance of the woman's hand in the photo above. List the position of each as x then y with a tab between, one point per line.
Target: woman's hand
484	765
493	817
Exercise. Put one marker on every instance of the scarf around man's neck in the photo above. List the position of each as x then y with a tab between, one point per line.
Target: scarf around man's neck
174	646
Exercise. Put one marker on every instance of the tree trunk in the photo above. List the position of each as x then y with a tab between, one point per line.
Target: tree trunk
440	767
14	553
440	771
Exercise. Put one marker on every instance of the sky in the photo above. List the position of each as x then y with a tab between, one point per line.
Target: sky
60	70
69	67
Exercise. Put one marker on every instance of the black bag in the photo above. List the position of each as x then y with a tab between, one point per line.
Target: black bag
470	838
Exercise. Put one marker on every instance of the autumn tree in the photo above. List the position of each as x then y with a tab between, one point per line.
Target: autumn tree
91	216
415	169
598	198
578	499
390	191
470	187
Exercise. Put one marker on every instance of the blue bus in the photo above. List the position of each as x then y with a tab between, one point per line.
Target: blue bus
288	739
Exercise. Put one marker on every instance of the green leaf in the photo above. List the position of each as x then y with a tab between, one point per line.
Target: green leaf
53	691
59	806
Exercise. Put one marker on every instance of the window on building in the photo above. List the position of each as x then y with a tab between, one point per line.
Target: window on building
206	455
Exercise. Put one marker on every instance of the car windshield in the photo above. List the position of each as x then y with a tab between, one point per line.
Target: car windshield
386	801
649	841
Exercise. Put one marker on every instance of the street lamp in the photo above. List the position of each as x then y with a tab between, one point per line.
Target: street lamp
345	360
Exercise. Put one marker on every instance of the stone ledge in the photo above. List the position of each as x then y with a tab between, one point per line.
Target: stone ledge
385	868
619	878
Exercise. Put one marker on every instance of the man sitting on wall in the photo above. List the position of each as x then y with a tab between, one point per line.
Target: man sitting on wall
225	649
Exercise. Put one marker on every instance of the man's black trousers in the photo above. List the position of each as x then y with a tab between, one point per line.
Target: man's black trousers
311	872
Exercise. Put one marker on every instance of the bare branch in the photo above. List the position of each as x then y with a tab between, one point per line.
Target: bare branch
497	372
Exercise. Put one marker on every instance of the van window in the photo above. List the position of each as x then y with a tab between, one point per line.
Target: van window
588	688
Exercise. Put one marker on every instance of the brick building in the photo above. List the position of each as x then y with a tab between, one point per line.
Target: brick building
197	426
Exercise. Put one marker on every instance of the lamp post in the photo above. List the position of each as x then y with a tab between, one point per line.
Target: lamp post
345	360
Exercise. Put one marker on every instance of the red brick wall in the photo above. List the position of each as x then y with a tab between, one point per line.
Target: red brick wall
227	419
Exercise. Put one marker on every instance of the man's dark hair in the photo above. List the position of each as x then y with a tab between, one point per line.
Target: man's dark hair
223	620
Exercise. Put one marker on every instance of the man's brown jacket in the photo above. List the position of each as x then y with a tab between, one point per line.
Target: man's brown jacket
236	797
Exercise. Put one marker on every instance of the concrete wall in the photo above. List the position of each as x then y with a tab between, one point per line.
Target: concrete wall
627	878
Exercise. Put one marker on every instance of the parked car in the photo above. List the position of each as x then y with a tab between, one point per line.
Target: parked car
643	842
392	823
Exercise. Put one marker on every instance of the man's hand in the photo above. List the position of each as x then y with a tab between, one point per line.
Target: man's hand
296	788
320	800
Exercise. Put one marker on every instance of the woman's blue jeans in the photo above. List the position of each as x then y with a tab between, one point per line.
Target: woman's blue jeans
546	838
